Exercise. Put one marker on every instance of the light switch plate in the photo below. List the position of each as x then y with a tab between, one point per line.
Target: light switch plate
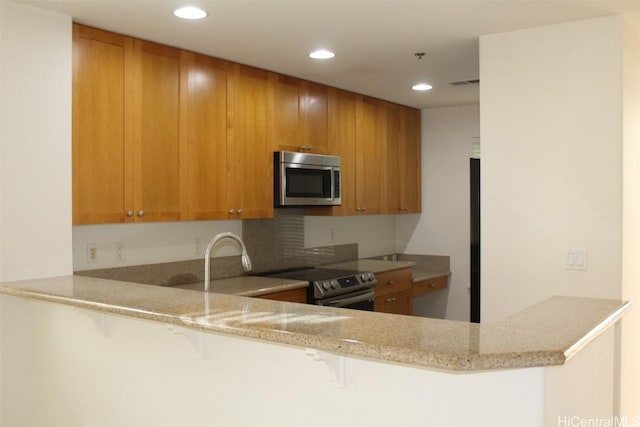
576	259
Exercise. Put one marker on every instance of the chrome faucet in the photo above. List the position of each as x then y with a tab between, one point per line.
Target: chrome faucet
246	262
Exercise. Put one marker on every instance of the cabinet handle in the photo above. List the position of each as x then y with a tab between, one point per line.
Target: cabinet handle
232	211
129	214
390	282
239	211
391	299
432	285
140	213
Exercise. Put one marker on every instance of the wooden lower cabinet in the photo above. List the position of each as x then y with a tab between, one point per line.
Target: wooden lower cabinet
396	303
394	292
292	295
430	285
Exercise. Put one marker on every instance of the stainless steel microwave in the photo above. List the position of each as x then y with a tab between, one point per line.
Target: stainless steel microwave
304	179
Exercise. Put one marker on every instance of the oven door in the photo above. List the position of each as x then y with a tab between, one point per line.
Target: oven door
361	300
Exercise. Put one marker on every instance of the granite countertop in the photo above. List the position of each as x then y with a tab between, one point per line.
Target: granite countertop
419	273
376	266
423	274
548	333
248	286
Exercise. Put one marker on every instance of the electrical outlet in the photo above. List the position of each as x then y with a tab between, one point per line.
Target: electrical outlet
92	253
198	242
119	252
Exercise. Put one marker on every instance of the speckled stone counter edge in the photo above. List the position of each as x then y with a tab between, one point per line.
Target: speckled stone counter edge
376	345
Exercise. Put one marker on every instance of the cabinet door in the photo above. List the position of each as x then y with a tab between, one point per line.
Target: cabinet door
284	113
397	303
293	295
101	137
156	155
370	123
341	124
394	292
250	157
390	183
314	117
410	161
206	137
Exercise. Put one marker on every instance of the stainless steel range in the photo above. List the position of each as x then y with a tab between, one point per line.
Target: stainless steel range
335	288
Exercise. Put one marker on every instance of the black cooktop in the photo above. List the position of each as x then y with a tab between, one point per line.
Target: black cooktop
312	274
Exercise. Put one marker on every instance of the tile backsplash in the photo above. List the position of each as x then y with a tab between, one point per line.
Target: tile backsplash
192	271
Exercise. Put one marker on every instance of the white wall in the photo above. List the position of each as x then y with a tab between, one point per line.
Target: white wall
177	241
35	143
630	378
148	243
443	226
551	113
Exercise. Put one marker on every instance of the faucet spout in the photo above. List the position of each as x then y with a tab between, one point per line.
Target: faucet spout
246	262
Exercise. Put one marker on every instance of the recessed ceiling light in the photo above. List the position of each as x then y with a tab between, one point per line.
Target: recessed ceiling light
190	12
421	87
322	54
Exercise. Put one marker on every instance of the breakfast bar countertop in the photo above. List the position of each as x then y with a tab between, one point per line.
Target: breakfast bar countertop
545	334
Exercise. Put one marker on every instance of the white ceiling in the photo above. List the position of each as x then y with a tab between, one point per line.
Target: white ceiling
374	41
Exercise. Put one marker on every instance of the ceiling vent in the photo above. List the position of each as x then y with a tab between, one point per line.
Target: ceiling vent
470	82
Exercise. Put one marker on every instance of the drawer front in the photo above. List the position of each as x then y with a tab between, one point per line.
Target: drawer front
393	281
430	285
395	303
293	295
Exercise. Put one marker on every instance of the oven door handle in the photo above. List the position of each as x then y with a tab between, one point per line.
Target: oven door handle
341	302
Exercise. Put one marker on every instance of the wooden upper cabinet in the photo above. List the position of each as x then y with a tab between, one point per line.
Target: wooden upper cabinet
205	135
314	117
284	112
400	177
249	154
126	122
390	169
101	125
370	122
161	134
409	161
341	129
298	112
156	160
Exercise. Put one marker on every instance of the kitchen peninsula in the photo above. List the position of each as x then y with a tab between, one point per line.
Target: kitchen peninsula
106	348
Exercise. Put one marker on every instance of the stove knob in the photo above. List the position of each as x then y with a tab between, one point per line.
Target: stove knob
326	285
370	277
334	284
363	277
